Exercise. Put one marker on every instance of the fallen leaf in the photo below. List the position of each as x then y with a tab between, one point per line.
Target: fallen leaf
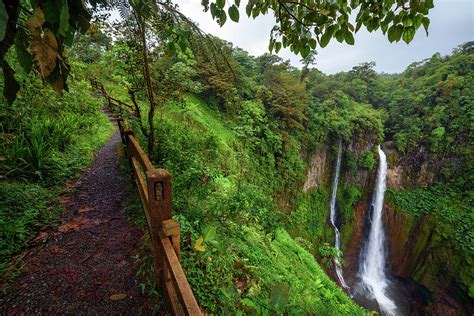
72	225
42	236
118	297
198	245
55	250
86	209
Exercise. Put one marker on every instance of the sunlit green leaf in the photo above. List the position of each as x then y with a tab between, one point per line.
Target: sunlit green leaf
408	34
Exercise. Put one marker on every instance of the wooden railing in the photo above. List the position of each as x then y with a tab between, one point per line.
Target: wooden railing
155	189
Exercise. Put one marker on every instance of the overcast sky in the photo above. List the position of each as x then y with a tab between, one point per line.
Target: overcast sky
452	23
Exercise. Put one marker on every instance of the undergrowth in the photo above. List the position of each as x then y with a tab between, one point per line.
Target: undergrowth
46	140
235	252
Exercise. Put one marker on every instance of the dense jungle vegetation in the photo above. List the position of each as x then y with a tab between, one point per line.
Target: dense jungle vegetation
238	134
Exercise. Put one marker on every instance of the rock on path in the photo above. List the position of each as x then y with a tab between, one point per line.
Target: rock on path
89	258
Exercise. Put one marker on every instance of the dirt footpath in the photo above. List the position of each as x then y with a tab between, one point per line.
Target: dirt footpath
86	266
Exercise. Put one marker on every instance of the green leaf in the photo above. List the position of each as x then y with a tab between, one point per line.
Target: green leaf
237	2
64	19
171	48
408	34
325	38
3	20
11	86
395	33
222	17
52	12
312	43
220	3
358	25
209	233
24	57
426	23
248	10
234	13
305	50
349	37
277	47
340	35
255	12
391	33
213	10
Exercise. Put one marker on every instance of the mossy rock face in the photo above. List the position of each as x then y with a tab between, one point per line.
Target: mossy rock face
347	231
428	231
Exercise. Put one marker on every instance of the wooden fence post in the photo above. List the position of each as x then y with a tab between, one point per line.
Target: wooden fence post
159	206
160	196
120	124
172	230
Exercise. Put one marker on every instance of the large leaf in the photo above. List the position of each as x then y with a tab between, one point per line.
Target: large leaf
10	87
325	39
408	34
52	12
234	13
395	33
35	21
64	19
3	20
209	233
349	37
45	52
24	57
305	50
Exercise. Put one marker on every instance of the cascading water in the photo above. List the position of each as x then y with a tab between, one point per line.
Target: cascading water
332	214
372	269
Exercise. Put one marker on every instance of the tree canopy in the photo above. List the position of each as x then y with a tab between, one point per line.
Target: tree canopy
41	29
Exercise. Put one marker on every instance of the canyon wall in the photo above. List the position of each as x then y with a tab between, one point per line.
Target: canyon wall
420	255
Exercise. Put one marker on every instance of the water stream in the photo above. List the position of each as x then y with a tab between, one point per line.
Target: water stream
374	282
332	214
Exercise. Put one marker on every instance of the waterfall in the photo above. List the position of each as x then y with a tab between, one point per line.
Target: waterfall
372	269
332	214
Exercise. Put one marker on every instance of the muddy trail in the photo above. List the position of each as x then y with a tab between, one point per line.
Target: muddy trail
86	265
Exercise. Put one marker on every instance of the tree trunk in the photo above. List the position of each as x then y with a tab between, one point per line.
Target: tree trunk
149	87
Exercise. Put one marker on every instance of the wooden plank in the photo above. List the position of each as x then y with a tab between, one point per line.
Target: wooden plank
121	103
140	154
140	182
183	290
171	295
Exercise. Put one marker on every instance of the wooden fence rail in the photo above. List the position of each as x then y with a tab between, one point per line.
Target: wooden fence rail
155	189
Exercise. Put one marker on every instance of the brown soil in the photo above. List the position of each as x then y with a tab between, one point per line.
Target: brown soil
86	265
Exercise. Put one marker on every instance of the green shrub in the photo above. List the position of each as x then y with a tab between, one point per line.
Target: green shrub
23	208
367	160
